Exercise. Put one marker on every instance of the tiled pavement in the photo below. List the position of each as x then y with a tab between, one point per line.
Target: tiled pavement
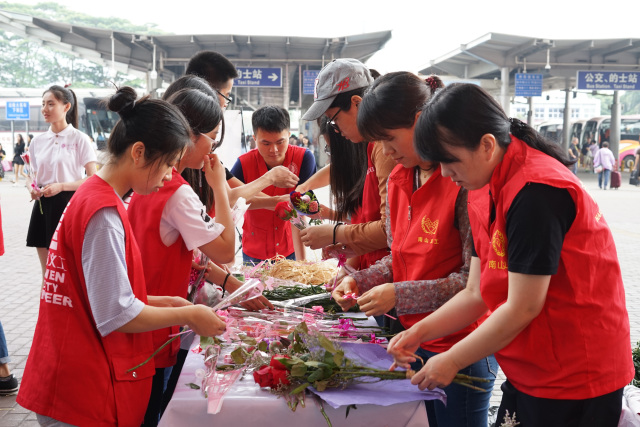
20	273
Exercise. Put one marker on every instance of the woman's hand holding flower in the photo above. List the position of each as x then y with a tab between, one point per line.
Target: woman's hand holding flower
379	300
317	237
348	286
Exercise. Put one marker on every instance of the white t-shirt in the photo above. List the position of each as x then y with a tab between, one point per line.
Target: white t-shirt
60	157
185	215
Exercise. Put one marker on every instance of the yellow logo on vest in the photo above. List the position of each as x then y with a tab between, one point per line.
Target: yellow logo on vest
498	243
429	227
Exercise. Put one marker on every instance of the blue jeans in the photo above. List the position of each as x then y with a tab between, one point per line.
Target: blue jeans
246	259
607	175
4	351
465	407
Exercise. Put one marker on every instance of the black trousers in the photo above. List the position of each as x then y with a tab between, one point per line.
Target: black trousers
601	411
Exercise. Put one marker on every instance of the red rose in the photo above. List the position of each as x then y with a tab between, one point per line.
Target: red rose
275	361
273	375
283	211
295	197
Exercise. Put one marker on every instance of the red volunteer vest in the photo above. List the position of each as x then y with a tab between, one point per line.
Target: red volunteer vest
370	209
73	374
264	235
579	345
426	245
166	269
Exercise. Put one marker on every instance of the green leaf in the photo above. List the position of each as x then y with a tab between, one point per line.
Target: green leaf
193	386
239	356
315	364
302	328
338	358
326	344
263	346
249	341
206	342
321	385
316	376
298	370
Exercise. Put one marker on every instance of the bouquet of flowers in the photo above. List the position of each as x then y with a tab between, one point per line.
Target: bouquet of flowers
305	204
32	174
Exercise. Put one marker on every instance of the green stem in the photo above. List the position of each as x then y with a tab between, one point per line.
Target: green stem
324	414
154	353
465	384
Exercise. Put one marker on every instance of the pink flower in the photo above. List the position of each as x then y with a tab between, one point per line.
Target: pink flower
318	309
313	207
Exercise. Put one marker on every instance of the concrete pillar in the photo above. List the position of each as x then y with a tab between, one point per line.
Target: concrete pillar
286	87
614	134
504	91
566	125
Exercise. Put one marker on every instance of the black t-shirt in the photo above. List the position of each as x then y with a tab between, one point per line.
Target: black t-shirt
537	221
228	174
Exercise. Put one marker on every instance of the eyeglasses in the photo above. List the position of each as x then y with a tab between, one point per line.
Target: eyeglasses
332	122
214	144
226	98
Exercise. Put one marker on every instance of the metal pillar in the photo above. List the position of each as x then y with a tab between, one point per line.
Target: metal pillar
614	134
530	112
504	90
566	126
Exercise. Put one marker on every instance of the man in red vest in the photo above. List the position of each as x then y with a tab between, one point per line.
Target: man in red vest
264	234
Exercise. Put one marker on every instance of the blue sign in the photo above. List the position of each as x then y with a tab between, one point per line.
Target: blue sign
608	80
258	77
528	84
309	81
17	110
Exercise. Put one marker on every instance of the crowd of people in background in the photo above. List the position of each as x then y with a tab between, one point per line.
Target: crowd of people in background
465	227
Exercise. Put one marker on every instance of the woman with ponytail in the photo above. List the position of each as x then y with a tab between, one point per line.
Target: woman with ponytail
430	239
60	158
87	364
559	331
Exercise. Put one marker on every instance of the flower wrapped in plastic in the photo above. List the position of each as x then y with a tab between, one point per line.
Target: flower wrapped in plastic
286	212
26	158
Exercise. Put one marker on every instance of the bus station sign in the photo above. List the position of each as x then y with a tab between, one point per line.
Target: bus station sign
17	110
608	80
528	84
258	77
309	81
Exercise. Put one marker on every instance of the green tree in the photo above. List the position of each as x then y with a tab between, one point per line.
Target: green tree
28	64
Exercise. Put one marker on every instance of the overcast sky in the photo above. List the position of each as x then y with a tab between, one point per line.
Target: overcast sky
429	28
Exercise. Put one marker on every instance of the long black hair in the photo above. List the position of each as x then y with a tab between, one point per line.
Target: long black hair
348	170
460	114
195	177
66	96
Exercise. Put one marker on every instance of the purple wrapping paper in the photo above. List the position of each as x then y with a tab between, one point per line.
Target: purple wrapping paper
382	393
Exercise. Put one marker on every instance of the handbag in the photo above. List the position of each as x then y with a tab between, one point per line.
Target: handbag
598	169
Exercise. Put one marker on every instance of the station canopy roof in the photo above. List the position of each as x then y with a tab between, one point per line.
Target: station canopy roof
134	52
557	60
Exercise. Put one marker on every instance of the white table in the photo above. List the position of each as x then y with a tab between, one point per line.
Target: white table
247	403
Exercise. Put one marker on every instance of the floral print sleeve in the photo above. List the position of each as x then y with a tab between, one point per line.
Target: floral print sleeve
380	272
423	296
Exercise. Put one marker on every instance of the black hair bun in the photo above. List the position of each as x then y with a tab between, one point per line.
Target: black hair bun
123	101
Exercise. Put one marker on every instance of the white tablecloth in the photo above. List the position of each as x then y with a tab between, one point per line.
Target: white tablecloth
247	403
